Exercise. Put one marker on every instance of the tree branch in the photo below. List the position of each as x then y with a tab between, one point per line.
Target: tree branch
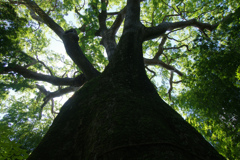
45	18
52	108
78	81
60	92
160	47
108	35
52	95
154	73
132	18
117	23
102	19
178	47
162	64
70	40
171	86
154	32
112	13
177	82
49	70
34	16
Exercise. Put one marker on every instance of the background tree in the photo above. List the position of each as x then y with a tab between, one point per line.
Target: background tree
162	28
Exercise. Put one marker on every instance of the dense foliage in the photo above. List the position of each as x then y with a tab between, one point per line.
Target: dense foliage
194	70
10	149
211	94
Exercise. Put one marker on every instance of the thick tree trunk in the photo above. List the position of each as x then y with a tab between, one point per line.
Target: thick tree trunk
119	115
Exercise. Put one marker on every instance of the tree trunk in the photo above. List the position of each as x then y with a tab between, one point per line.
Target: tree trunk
119	115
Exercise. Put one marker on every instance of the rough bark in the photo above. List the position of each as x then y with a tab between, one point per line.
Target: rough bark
119	115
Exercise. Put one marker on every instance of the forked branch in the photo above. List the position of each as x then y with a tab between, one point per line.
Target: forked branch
78	81
162	64
154	32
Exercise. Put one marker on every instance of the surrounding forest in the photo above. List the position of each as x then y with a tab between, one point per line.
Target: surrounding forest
190	52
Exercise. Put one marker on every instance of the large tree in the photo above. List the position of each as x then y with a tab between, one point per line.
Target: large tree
116	112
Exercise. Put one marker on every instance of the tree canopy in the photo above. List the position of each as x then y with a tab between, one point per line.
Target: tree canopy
192	62
211	93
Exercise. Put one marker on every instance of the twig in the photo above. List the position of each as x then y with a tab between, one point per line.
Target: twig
154	73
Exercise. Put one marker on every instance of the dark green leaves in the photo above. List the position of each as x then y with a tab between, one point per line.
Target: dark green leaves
212	98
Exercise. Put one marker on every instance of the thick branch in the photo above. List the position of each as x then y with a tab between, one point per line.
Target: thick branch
162	64
34	16
102	20
60	92
108	35
154	32
78	81
117	23
160	47
132	18
70	40
45	18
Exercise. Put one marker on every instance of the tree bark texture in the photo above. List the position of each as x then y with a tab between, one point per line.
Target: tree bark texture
119	115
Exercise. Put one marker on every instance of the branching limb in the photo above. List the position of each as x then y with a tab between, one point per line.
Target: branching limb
178	47
34	16
160	47
78	81
49	70
117	23
171	86
45	18
70	40
154	73
154	32
112	13
102	18
108	35
45	92
177	82
51	95
52	108
132	14
60	92
34	61
162	64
